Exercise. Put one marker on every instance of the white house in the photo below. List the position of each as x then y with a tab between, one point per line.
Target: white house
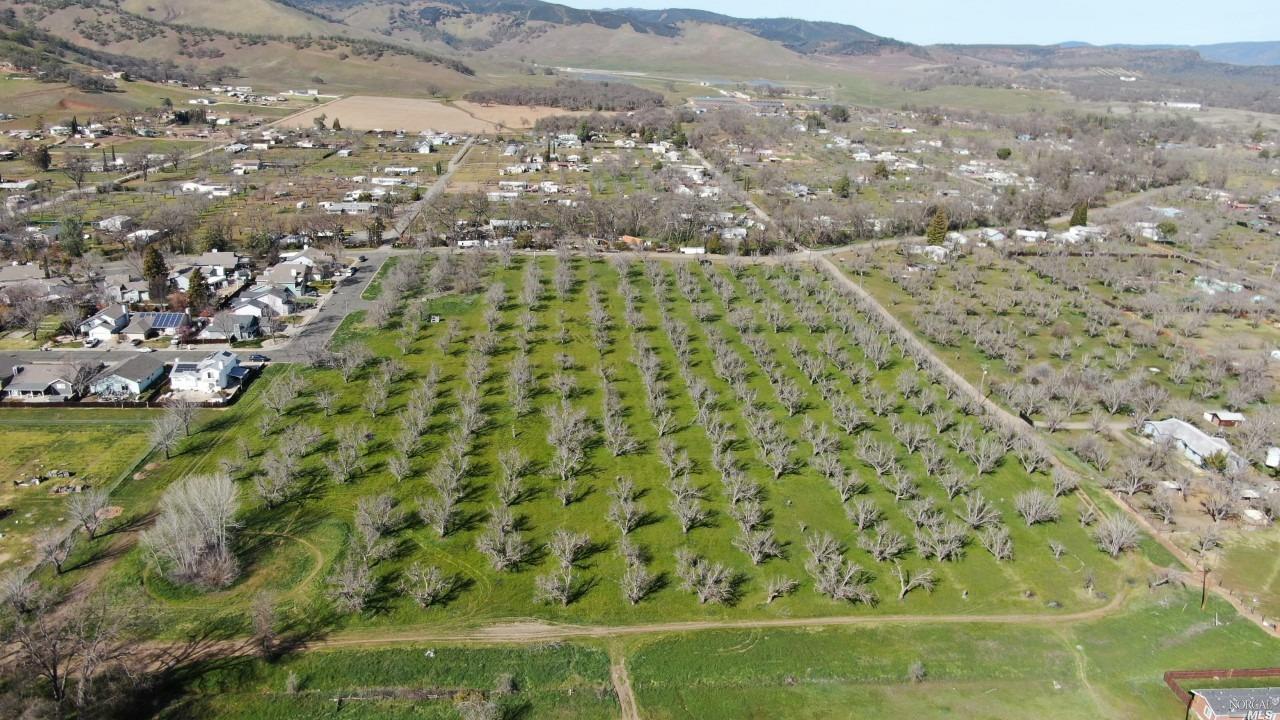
106	323
116	223
1195	444
129	378
698	250
210	376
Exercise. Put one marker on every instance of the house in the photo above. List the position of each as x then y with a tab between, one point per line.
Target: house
265	301
41	382
106	323
291	276
1031	236
144	236
127	289
1273	458
147	325
129	378
230	327
1223	418
320	261
699	250
1235	704
116	223
1194	443
210	376
348	207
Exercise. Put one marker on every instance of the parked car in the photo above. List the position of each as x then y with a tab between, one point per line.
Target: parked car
259	358
91	342
146	349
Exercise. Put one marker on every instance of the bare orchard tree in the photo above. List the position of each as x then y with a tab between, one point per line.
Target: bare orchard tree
88	509
710	582
1036	506
166	433
54	546
568	547
351	584
779	587
908	581
1115	534
556	587
427	585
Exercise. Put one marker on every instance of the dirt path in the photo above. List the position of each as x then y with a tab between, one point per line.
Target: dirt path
622	687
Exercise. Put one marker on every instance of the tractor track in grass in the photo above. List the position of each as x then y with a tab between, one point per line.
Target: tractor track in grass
532	632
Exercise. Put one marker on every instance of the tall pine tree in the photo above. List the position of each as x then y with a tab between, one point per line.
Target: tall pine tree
937	232
156	272
199	296
1080	216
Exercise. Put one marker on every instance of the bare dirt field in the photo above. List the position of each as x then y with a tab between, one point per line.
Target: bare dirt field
365	112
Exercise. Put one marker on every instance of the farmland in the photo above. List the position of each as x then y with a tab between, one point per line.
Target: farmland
415	115
1046	568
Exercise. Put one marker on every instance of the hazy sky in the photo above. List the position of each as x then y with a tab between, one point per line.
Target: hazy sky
1013	21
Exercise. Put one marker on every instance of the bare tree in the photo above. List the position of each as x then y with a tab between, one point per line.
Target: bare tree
1036	506
87	508
1115	534
191	537
779	587
55	546
637	582
759	545
908	581
710	582
555	587
166	433
427	585
351	584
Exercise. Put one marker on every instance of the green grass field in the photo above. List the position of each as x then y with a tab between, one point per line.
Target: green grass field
98	446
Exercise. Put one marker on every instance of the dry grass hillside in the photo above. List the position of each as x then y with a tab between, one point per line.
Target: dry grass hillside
335	65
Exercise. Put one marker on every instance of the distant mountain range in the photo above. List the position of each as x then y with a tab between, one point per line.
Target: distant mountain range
1235	53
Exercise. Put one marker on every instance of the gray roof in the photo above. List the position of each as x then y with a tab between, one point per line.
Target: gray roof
36	377
137	368
1239	701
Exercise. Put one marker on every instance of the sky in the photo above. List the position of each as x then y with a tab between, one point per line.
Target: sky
1041	22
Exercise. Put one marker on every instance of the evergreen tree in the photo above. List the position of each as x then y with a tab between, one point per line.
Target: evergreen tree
842	187
75	126
584	131
937	232
71	236
41	158
337	125
1080	216
199	296
156	272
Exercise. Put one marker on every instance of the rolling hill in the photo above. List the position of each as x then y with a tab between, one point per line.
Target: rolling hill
339	62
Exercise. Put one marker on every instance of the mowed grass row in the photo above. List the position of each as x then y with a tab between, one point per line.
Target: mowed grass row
1110	667
545	681
291	549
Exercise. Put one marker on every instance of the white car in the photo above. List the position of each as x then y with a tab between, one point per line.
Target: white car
146	349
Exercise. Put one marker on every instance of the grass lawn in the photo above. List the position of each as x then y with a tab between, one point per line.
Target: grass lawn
98	446
374	289
1105	668
550	681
